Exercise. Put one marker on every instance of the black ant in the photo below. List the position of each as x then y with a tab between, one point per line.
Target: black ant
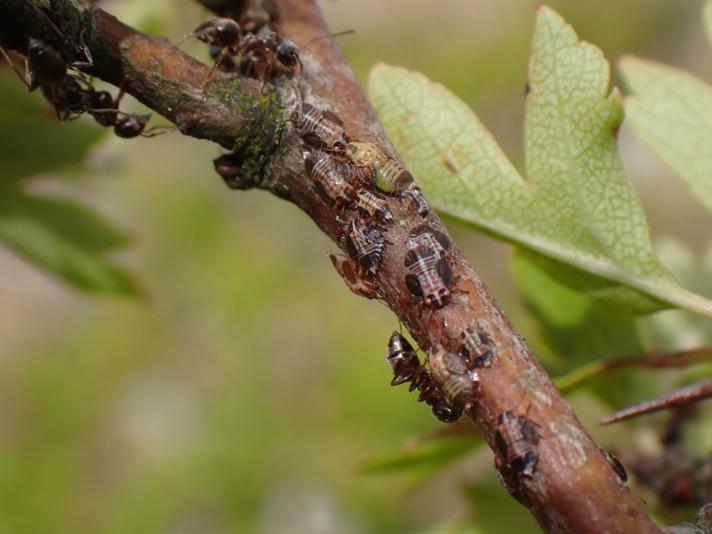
105	110
260	49
406	367
222	33
46	68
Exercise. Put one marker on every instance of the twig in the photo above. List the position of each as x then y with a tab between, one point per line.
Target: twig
569	487
654	360
680	397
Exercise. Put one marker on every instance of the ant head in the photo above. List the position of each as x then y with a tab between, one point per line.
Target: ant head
102	100
131	125
288	53
228	32
221	32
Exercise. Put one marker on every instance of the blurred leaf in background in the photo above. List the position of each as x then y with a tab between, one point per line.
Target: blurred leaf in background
67	239
672	111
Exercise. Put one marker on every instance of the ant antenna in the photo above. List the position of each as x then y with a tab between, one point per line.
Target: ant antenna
184	38
12	64
336	34
158	129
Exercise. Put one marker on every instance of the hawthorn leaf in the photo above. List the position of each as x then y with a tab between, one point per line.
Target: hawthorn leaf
576	210
671	111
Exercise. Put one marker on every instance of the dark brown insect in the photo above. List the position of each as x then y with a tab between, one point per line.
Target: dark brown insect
351	274
105	110
128	126
516	440
222	33
429	274
46	68
406	367
696	392
103	107
70	97
319	128
426	236
374	206
391	176
45	65
260	49
416	195
78	47
321	169
616	465
229	167
257	59
477	345
459	384
365	245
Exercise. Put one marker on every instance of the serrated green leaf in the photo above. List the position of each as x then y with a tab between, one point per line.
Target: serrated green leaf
67	251
424	459
33	141
672	112
576	208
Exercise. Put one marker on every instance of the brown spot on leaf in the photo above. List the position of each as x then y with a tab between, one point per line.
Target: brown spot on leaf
448	164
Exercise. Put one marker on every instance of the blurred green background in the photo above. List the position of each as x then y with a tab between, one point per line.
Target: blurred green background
245	389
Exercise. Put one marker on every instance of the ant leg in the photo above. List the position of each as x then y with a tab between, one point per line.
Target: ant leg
184	38
87	54
301	67
210	75
22	77
121	93
153	131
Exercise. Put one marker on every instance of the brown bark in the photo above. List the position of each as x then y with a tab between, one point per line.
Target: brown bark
572	487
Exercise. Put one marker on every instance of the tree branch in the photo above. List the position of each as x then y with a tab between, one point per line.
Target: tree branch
570	487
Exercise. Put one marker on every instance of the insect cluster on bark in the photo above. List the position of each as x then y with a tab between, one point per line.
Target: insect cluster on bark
250	47
370	191
70	92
